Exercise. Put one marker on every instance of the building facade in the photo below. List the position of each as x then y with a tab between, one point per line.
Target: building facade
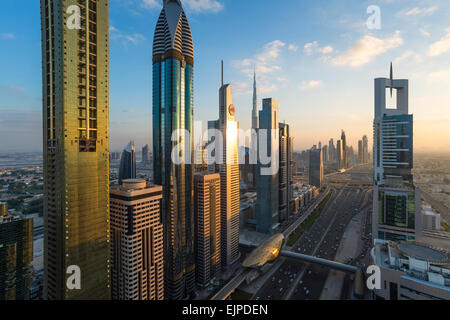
315	168
396	201
267	181
345	153
173	110
339	156
137	246
127	169
16	255
207	227
228	167
76	148
285	188
146	156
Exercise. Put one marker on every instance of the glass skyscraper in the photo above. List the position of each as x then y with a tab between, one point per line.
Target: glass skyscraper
397	202
127	169
75	92
173	101
267	183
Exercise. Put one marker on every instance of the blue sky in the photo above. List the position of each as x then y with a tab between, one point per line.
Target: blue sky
318	58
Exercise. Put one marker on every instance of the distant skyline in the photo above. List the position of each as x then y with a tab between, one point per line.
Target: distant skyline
318	60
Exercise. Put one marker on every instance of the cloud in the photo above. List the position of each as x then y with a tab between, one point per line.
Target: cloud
309	48
293	47
9	36
425	33
408	56
197	6
263	62
311	84
266	65
441	46
418	11
312	47
327	50
204	5
367	49
129	111
151	4
133	38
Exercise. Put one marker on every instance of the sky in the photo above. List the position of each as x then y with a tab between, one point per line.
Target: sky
317	58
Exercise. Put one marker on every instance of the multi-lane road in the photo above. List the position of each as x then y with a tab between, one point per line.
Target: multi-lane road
299	281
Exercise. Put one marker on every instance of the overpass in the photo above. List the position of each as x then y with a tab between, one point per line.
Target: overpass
243	273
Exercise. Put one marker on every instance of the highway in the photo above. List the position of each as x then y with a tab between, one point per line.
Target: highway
298	281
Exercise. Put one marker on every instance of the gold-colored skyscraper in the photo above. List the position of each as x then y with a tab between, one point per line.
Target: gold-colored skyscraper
76	142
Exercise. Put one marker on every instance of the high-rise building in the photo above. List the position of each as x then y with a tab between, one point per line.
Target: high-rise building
331	150
345	153
339	156
127	169
76	148
173	103
137	251
201	159
365	149
315	168
207	227
252	158
396	201
229	175
16	255
285	187
255	122
360	151
267	205
146	157
325	153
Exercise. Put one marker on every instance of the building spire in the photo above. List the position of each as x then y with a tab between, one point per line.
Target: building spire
222	74
392	79
255	104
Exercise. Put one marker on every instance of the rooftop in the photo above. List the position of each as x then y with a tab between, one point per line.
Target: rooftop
415	261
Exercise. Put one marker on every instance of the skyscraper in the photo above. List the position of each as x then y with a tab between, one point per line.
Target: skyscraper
365	149
339	156
331	151
315	168
345	152
207	227
127	169
325	153
396	201
173	103
137	247
146	160
285	171
267	214
255	122
16	255
229	175
76	148
360	151
253	151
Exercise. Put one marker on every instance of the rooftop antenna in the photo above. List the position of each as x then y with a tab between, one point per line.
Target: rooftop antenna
392	79
222	74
